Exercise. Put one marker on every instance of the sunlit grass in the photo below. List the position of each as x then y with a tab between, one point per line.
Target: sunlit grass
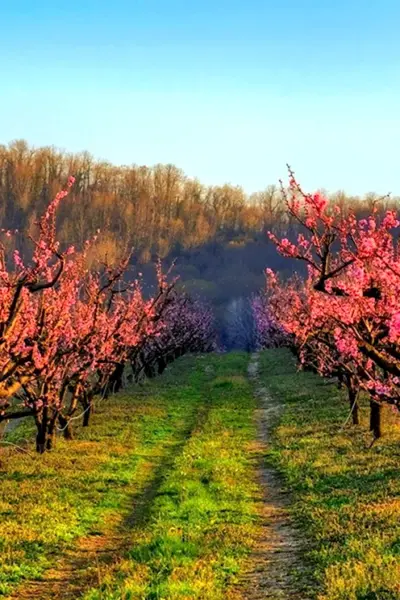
185	441
347	494
202	520
84	486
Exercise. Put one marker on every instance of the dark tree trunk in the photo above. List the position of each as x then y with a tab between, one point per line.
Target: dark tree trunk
41	426
116	382
149	371
66	427
86	416
51	432
375	423
161	365
88	409
353	393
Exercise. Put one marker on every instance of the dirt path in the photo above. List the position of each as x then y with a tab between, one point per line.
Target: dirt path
271	568
274	565
81	567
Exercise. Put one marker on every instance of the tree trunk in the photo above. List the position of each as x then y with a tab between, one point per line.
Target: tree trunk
41	425
353	393
86	416
88	409
66	427
149	371
161	365
116	382
51	432
375	423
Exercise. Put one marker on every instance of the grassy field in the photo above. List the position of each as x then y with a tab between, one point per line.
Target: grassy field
201	522
166	466
347	496
156	500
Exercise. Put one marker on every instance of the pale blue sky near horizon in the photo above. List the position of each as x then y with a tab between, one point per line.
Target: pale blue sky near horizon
229	91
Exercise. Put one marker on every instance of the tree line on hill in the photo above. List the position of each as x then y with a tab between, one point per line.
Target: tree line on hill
215	235
156	210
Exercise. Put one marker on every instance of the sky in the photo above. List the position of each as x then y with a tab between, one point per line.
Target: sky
229	91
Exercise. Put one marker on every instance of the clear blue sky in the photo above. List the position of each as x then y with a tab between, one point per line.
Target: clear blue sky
227	90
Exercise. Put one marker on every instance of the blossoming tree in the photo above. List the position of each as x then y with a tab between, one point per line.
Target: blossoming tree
67	332
352	292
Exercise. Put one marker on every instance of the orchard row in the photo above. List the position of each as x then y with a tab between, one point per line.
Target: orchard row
69	333
343	318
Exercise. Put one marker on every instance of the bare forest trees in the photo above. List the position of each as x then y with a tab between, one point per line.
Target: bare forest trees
152	209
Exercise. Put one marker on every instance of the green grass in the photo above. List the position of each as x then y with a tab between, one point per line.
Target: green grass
201	523
347	496
84	486
166	464
171	466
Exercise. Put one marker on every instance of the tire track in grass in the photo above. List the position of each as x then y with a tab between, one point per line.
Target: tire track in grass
273	568
81	567
202	519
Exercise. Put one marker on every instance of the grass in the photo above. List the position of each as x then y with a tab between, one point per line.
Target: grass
347	496
168	464
201	522
85	486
